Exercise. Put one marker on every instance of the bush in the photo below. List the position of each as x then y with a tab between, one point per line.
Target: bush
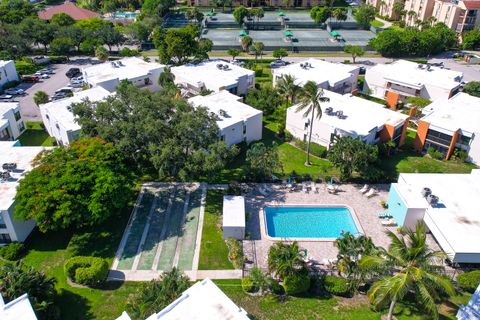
469	281
24	67
127	52
13	251
258	72
247	284
235	252
297	283
336	285
434	153
88	271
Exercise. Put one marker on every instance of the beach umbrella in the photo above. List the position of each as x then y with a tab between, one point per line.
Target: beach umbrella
242	33
288	33
281	14
335	34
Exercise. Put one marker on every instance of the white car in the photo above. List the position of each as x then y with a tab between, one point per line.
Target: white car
14	92
44	76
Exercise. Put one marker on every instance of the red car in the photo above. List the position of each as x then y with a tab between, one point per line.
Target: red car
30	79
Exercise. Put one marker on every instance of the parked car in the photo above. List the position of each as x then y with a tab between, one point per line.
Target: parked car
238	62
78	84
30	79
6	98
80	78
59	95
47	70
15	92
73	72
64	90
278	64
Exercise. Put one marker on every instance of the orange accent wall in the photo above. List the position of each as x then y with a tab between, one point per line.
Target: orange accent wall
455	138
404	132
421	135
387	133
392	99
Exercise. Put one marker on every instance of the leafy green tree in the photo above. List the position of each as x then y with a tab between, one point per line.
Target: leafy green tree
355	51
233	52
239	14
77	186
398	9
61	46
280	53
286	259
310	98
110	36
17	279
38	31
350	154
265	98
257	14
101	53
471	39
320	14
258	48
157	7
263	160
472	88
76	34
180	44
15	11
288	87
204	46
62	20
40	97
246	43
415	271
364	15
89	46
157	294
340	14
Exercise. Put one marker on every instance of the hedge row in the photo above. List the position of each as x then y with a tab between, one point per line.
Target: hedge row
336	285
13	251
469	281
90	271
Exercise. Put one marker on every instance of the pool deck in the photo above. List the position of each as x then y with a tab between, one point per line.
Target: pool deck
366	210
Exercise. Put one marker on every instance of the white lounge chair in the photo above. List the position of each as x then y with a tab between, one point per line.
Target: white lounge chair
371	193
332	188
364	189
389	223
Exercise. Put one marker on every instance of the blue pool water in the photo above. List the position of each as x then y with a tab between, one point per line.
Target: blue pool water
126	15
309	222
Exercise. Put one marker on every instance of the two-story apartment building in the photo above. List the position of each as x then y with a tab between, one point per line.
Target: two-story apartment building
11	122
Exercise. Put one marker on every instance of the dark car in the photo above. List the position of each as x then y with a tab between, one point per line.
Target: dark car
362	70
73	72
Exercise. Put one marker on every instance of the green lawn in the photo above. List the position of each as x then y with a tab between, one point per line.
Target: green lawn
213	250
36	135
320	307
377	23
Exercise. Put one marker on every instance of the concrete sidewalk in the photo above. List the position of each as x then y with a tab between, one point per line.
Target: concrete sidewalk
147	275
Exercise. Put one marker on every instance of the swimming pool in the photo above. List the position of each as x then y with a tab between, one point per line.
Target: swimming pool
309	222
126	15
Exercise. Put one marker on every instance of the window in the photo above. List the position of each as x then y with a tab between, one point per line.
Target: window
48	117
439	138
4	135
244	128
17	115
21	126
306	126
398	132
2	222
5	238
465	140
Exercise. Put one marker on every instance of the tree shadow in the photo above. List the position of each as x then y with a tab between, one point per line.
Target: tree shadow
73	306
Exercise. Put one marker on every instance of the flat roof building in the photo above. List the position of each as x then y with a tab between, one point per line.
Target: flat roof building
450	124
12	229
237	121
347	115
11	122
448	205
336	77
58	117
109	74
215	75
17	309
397	81
233	217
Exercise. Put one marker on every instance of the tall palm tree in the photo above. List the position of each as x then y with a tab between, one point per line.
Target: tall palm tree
416	269
246	43
285	259
310	98
288	88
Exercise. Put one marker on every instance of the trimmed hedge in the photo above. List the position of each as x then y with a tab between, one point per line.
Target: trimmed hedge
297	283
88	271
247	284
13	251
336	285
469	281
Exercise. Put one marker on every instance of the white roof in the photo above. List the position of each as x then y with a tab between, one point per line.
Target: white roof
207	73
320	71
360	115
233	211
23	157
17	309
409	73
457	214
60	109
462	111
127	68
4	108
202	301
235	110
4	62
124	316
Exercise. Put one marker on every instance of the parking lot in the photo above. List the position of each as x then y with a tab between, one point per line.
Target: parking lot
28	108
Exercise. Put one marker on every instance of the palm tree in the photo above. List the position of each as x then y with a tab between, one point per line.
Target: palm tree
310	99
258	49
40	97
246	43
416	269
382	4
285	259
288	88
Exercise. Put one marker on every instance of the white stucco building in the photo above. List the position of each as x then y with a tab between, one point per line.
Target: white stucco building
215	75
12	229
202	301
233	217
58	117
11	122
17	309
109	74
336	77
347	115
237	121
447	203
8	72
451	123
397	81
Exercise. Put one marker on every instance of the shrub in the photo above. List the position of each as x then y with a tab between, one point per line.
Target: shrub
127	52
297	283
336	285
24	67
88	271
247	284
258	72
235	252
434	153
469	281
276	287
13	251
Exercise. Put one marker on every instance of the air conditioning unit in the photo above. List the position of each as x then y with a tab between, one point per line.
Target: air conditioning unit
5	175
426	192
9	166
432	199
